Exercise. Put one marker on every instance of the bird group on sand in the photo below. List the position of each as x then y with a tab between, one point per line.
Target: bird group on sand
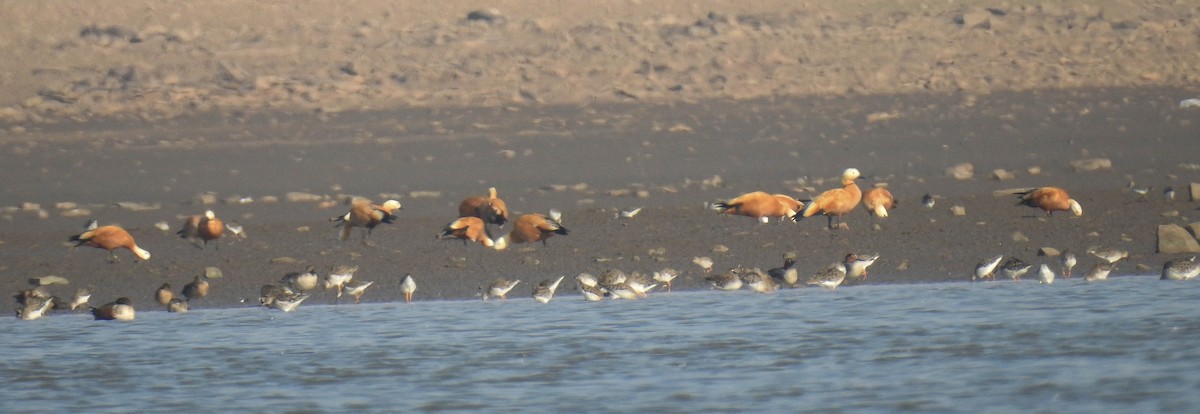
481	216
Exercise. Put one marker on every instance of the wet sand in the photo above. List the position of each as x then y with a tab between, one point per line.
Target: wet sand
172	136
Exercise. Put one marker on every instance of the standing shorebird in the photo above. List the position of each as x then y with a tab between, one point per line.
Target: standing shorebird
857	264
1045	275
337	279
591	293
786	274
301	282
118	310
829	277
164	294
1099	272
758	281
407	287
177	306
197	289
1050	199
725	281
1014	268
928	200
1181	269
499	288
356	288
544	291
1108	254
110	238
986	269
1067	260
80	299
665	277
836	202
368	216
287	302
35	308
704	262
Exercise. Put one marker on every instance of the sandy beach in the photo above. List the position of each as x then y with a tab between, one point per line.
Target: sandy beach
275	116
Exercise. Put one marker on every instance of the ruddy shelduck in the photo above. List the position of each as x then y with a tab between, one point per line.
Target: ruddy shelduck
118	310
762	206
836	202
1050	199
878	201
206	227
110	238
530	228
468	229
366	215
490	208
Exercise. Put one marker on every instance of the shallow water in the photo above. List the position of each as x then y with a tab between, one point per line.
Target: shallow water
1124	345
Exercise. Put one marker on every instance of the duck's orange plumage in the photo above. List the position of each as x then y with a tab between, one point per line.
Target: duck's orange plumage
761	205
110	238
206	227
367	216
531	228
1050	199
878	201
839	201
468	229
490	208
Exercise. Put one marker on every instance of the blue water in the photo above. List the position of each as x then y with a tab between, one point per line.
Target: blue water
1129	344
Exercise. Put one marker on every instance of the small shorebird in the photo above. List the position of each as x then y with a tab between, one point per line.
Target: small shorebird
665	277
611	277
177	306
1067	260
197	289
301	282
1141	191
499	288
356	288
1169	193
630	213
1014	268
878	201
836	202
206	227
758	281
337	279
407	287
468	229
856	264
1099	272
586	279
119	310
268	293
704	262
1050	199
368	216
928	200
164	294
544	291
591	293
34	308
80	299
110	238
1180	269
787	274
986	269
489	208
829	277
640	284
725	281
761	206
236	230
287	302
1108	254
532	227
621	291
1045	275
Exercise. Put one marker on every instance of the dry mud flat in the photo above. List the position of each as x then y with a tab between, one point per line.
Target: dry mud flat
591	162
153	60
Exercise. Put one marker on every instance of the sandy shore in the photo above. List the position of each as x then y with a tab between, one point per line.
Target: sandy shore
559	138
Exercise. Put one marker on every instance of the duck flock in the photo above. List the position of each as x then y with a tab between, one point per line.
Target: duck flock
478	212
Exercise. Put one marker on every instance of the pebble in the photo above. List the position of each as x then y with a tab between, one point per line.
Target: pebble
958	210
964	171
1000	174
213	273
1048	252
1091	164
1020	237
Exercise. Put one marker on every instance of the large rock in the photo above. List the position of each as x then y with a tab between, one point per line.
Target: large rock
1174	239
